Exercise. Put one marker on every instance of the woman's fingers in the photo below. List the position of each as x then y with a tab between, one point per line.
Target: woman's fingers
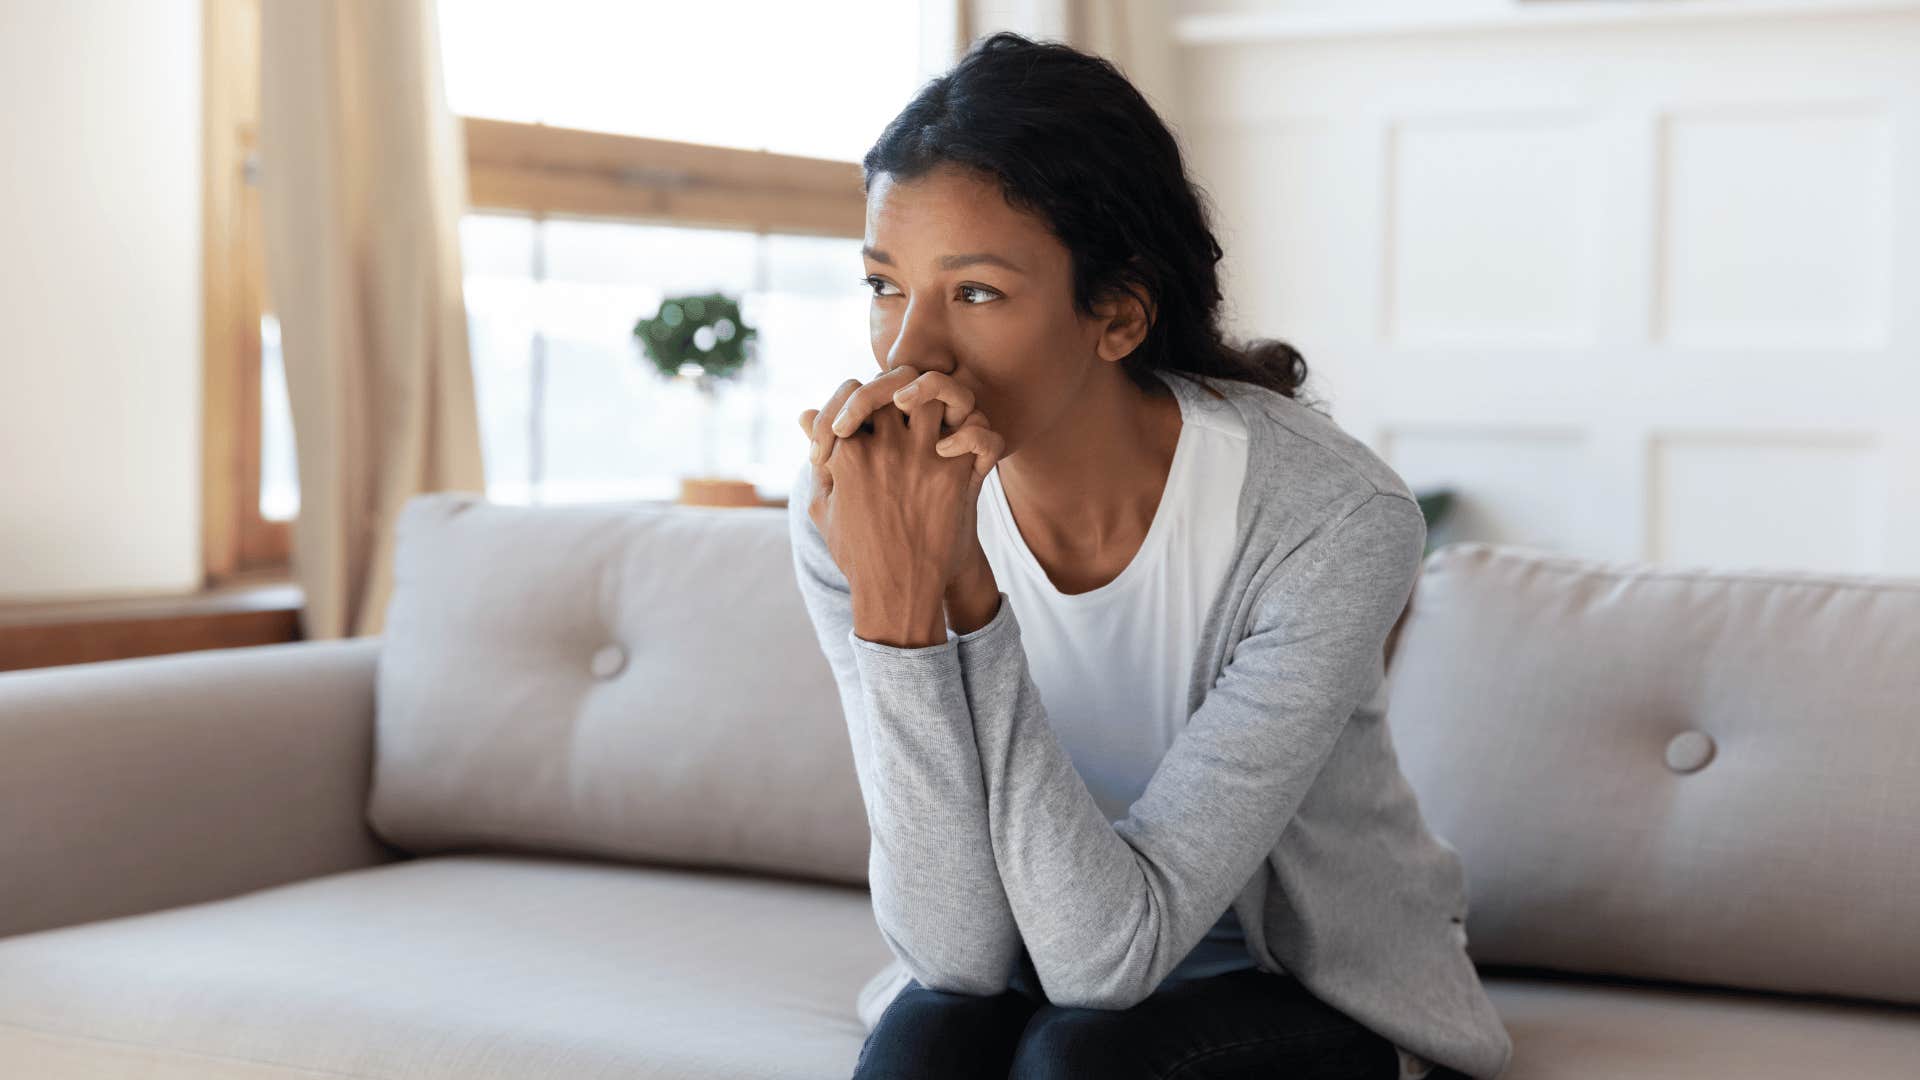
857	408
923	422
822	489
973	436
817	423
822	476
854	403
936	385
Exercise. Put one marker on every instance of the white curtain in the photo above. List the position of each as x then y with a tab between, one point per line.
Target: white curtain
363	181
1137	35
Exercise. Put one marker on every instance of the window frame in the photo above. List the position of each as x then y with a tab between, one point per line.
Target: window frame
237	541
539	170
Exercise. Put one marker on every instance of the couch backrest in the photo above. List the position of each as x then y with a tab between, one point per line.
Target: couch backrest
1671	773
630	682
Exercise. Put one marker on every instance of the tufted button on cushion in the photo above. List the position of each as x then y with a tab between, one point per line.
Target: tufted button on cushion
1689	750
607	661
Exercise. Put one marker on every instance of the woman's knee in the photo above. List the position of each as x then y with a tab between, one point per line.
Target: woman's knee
1065	1042
937	1034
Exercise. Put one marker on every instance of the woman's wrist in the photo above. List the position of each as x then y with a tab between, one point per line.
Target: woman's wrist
905	625
973	598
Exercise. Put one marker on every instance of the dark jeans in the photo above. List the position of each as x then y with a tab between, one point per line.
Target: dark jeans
1246	1023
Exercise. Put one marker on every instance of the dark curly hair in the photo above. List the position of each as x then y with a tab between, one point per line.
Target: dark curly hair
1071	140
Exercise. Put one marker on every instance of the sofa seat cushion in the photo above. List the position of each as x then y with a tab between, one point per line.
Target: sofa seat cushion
459	966
1575	1028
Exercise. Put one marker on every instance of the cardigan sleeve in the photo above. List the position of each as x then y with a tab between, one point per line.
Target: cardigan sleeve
936	891
1107	909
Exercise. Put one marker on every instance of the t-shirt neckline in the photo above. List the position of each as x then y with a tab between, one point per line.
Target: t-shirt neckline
1150	545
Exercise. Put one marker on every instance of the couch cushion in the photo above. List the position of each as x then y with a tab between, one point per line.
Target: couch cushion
630	681
460	967
1707	776
1583	1030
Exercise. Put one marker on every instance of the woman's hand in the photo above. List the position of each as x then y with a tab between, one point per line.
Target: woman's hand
853	402
967	575
891	520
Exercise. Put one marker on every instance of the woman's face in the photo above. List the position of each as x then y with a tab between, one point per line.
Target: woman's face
965	284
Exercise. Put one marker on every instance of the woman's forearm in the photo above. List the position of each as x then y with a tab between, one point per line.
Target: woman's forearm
936	890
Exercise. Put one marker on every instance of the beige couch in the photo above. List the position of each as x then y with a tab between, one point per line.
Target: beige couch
540	829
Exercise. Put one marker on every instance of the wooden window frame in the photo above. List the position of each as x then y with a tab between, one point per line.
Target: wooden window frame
546	171
237	541
533	169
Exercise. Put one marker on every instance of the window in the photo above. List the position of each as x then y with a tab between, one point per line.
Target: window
616	153
754	134
570	411
814	79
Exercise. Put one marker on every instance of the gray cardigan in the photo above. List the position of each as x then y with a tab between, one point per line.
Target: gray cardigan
1282	797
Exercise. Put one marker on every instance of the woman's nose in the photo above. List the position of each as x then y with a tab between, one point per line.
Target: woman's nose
921	344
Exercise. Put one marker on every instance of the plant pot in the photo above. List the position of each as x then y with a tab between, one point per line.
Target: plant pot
717	491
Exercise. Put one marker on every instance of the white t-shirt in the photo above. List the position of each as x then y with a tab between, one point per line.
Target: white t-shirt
1125	651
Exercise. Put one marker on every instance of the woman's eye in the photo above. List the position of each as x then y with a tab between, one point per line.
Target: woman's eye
876	284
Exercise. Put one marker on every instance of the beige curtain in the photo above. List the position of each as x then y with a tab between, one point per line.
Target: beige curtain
1137	35
363	180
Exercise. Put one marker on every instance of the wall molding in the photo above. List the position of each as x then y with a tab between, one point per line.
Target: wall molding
1255	27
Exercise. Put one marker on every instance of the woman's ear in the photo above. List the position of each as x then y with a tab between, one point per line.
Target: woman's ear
1128	313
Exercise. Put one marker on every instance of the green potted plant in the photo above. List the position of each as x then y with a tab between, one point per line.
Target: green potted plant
700	338
1436	504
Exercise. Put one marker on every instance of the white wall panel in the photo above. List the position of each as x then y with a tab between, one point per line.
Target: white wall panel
1288	176
1488	231
1779	501
1515	486
1775	226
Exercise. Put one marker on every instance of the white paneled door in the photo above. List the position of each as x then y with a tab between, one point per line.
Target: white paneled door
1634	288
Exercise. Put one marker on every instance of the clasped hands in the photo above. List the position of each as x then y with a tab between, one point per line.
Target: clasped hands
897	468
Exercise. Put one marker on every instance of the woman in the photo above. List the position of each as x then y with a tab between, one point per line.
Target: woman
1107	606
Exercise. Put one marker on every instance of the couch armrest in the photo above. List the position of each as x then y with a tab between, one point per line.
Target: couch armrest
133	785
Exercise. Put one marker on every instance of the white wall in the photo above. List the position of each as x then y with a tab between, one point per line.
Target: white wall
1635	279
99	297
